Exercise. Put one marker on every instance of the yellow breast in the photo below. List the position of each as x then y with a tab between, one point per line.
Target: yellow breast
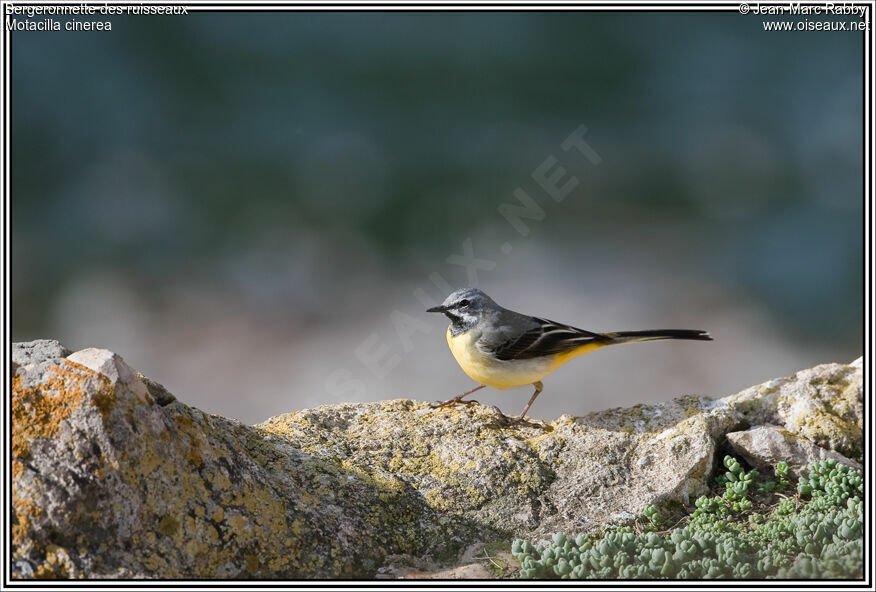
470	359
502	374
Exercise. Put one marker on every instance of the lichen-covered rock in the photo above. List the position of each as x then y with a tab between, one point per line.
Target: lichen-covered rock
36	357
824	405
107	483
764	446
535	478
112	477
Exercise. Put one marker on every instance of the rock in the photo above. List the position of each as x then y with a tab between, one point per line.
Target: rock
570	474
157	391
30	359
764	446
113	367
114	478
824	405
107	483
469	571
479	561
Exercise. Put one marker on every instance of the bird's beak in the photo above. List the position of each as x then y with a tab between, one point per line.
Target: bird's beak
437	309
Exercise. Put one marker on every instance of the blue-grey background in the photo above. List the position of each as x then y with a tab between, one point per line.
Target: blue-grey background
238	203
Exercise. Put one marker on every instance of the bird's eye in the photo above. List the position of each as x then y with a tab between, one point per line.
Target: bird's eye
463	303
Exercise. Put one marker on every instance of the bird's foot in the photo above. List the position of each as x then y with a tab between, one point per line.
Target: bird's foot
510	421
453	403
521	420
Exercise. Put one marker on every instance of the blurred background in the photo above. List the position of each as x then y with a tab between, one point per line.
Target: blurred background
248	206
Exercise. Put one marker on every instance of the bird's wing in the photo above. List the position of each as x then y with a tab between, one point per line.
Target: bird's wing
541	338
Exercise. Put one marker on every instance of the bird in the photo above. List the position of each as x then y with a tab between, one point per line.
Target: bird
502	349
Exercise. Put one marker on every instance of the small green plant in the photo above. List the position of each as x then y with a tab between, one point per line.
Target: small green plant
818	534
736	483
655	519
781	482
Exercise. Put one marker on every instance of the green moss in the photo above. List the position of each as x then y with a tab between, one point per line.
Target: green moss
817	534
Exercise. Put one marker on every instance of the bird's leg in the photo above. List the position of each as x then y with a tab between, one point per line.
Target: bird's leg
458	400
538	388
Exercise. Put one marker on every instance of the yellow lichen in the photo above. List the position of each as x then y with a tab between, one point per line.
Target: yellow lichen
196	548
252	564
236	522
220	480
153	563
168	526
56	566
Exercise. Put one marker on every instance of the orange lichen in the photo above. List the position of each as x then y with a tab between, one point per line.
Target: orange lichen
25	512
56	566
37	412
104	398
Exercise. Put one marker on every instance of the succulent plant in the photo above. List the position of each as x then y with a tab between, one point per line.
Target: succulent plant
655	519
818	534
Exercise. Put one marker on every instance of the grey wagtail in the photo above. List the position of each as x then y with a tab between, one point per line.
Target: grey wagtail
501	348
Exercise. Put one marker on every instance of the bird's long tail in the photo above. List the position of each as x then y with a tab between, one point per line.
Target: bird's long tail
654	334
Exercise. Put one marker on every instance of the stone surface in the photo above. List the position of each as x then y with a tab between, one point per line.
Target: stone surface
113	367
823	404
109	484
35	356
764	446
479	561
112	477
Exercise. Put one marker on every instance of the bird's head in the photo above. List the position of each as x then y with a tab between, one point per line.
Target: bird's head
464	307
